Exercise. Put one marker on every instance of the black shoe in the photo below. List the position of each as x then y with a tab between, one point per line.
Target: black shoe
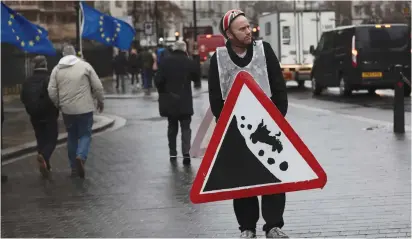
80	167
43	167
186	159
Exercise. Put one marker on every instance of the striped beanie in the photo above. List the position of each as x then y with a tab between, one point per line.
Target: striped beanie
227	19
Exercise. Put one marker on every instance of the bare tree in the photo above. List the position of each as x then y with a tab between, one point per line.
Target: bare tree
343	11
166	10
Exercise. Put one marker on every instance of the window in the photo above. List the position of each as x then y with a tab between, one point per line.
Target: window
383	38
329	41
286	35
267	28
31	16
118	4
319	48
344	38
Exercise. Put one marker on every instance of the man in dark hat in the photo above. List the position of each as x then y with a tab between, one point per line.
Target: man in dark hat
43	113
242	53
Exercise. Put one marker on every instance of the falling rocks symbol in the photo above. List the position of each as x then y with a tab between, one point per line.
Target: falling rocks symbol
237	168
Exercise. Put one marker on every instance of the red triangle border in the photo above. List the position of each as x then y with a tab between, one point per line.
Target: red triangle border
244	78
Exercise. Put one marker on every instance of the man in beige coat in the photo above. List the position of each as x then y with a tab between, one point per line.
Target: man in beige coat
73	87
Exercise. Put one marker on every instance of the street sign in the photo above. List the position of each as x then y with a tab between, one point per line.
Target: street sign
253	151
148	28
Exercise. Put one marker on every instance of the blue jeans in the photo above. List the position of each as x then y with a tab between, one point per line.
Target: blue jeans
79	135
147	75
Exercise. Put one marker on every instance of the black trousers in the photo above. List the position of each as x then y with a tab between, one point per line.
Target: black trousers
247	211
134	75
46	136
172	130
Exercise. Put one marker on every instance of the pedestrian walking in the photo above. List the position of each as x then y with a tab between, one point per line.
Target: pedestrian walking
120	66
43	113
133	66
148	66
173	82
73	86
258	58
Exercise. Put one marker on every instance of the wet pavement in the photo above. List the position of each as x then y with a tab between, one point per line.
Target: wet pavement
17	128
132	190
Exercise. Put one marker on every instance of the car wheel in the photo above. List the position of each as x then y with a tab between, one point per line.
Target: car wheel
344	89
316	88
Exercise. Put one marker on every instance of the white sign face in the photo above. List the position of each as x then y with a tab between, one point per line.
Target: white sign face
276	152
266	142
148	28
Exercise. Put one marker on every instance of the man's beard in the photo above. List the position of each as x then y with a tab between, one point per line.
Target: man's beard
236	42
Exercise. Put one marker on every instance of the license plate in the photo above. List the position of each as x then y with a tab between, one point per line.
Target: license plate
371	74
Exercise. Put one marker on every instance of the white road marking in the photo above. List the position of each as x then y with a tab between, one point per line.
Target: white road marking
353	117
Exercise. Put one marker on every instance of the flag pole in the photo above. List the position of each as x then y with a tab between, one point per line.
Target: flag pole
81	20
79	26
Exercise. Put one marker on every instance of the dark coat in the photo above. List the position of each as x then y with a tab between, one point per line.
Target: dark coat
133	63
32	86
276	81
120	64
173	82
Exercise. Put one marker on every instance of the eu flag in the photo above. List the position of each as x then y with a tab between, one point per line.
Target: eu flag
18	31
106	29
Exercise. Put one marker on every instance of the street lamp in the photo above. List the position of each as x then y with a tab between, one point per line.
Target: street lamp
177	34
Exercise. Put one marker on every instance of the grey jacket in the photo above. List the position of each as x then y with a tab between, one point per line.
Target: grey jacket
73	86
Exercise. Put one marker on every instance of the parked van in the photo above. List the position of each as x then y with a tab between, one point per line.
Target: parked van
360	57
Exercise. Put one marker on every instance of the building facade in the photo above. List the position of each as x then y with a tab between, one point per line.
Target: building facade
58	17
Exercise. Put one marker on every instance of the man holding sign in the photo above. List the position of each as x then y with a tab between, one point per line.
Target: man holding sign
242	53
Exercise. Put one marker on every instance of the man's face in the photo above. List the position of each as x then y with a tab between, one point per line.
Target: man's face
240	32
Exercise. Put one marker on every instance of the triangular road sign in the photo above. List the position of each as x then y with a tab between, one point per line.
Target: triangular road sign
253	151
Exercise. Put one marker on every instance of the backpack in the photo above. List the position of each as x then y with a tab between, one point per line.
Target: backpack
39	99
161	53
147	60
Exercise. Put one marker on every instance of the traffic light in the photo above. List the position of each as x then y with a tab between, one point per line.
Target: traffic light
177	34
255	31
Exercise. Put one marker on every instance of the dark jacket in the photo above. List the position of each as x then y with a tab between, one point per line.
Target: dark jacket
146	60
276	81
33	86
133	63
120	64
173	82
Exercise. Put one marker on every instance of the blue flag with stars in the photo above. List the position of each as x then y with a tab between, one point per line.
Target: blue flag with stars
18	31
106	29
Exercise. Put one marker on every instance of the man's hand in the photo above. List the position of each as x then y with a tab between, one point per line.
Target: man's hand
100	107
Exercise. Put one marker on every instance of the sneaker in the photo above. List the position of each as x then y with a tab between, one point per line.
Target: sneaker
248	234
42	166
276	232
80	167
